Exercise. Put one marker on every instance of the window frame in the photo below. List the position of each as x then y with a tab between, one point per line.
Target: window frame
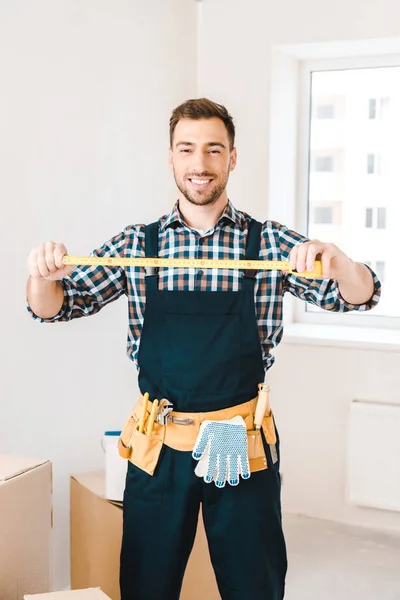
306	68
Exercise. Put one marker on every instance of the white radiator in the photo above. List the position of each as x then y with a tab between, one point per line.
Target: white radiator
373	455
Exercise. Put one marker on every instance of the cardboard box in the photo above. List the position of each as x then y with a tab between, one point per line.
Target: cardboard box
88	594
25	526
96	533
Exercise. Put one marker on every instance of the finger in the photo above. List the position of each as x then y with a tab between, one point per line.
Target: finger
33	264
61	273
326	258
41	262
63	270
212	468
59	252
301	257
244	466
222	466
199	449
201	468
312	251
35	273
233	471
49	254
293	258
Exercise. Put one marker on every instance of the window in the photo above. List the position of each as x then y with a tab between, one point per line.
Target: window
375	218
381	218
378	266
323	215
325	111
377	107
372	108
373	163
324	163
351	208
380	270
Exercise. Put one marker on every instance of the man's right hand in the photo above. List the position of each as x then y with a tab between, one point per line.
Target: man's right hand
45	262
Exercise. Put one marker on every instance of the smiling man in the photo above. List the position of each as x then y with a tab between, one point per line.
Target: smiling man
202	187
202	342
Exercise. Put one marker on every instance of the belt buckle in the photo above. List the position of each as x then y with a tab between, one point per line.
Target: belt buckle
181	420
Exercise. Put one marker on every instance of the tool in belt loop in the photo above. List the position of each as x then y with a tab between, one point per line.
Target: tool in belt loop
164	417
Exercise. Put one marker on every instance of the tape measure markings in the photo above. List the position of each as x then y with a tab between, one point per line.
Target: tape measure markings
262	265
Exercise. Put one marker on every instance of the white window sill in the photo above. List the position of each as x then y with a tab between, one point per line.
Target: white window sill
370	338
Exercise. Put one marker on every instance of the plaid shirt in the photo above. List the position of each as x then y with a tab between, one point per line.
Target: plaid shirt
89	288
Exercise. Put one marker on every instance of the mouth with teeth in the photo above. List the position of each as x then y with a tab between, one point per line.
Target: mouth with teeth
200	183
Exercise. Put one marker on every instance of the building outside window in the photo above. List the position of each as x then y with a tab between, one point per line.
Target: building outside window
350	208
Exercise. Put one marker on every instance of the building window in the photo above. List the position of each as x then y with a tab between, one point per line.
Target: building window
351	209
323	215
373	163
377	107
381	218
325	111
372	108
380	270
378	266
368	217
324	163
375	218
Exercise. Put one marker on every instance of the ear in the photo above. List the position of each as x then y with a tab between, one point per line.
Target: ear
170	159
233	160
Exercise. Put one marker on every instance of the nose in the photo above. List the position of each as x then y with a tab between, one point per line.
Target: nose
199	163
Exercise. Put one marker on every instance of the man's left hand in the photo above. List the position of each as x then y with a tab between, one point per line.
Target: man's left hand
335	263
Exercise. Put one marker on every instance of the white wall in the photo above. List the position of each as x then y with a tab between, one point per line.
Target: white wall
87	89
312	386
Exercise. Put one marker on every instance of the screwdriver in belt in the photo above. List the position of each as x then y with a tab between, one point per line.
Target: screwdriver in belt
144	412
152	417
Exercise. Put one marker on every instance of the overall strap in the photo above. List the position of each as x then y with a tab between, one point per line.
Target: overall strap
151	251
252	251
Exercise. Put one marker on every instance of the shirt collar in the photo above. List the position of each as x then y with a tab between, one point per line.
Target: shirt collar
230	213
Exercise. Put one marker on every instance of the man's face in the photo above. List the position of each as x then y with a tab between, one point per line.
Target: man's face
201	159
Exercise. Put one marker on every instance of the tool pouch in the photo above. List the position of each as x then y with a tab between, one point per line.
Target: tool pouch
268	427
141	449
256	452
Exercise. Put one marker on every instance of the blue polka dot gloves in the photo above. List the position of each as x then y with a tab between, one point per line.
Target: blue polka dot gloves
221	449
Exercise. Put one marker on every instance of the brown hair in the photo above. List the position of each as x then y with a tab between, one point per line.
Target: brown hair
202	108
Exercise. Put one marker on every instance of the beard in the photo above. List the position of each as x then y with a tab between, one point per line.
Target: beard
202	197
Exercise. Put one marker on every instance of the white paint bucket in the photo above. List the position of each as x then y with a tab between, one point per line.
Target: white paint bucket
115	467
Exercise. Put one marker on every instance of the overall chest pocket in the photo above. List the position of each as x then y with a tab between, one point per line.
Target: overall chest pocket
201	353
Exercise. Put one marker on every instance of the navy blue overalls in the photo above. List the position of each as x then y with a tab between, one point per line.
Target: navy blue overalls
201	351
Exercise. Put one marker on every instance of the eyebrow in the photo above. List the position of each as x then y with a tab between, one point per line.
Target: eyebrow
209	144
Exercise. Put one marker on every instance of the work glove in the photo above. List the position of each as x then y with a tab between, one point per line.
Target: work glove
221	449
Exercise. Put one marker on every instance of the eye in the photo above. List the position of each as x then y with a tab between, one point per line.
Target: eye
184	151
215	152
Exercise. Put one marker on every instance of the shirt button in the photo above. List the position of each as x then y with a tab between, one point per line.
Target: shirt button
201	241
200	273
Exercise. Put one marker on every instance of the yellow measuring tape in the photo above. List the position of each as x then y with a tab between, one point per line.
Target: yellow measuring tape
195	263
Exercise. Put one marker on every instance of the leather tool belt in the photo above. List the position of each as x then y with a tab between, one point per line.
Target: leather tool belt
180	430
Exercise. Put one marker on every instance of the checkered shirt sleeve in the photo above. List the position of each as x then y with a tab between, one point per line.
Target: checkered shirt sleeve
89	288
324	293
